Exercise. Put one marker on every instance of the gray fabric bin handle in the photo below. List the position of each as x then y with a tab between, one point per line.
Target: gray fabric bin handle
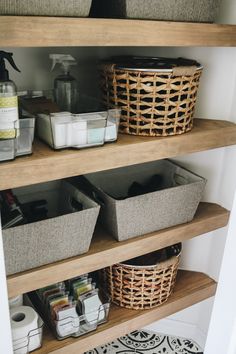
178	178
97	198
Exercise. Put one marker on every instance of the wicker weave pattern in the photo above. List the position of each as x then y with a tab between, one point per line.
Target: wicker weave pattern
141	287
153	103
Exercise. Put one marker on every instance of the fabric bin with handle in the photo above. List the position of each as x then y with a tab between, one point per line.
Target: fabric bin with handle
125	218
64	234
168	10
73	8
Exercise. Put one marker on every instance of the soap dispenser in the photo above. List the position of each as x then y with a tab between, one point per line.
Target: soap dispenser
9	116
65	85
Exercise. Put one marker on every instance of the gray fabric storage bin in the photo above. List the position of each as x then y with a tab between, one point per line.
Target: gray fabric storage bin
168	10
73	8
150	212
59	237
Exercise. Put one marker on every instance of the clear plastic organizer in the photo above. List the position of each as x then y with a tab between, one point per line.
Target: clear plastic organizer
73	326
22	144
63	130
30	343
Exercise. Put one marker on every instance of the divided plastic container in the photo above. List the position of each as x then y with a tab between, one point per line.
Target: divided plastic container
168	10
63	130
78	8
127	217
66	233
80	325
22	145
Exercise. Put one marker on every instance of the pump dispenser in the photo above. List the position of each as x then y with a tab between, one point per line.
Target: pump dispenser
65	85
9	116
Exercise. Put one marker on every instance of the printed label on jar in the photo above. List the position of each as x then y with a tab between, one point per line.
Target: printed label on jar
9	120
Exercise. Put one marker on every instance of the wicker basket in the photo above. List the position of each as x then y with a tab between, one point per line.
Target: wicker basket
141	287
154	101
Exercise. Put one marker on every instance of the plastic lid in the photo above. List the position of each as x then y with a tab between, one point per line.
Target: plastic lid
153	63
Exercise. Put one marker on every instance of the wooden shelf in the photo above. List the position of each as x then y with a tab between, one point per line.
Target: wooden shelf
46	164
20	31
191	288
105	251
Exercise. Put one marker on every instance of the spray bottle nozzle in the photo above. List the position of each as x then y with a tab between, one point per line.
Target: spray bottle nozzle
7	56
66	60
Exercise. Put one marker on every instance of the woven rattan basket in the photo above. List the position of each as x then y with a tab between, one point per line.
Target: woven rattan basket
141	287
157	97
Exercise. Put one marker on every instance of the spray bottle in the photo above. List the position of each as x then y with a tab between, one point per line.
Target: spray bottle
9	116
65	85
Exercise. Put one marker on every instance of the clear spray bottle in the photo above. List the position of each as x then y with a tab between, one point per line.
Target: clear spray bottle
65	85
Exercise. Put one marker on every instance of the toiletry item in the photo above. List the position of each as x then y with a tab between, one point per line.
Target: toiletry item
68	321
11	211
112	126
16	301
65	85
155	183
96	131
111	132
92	307
41	291
51	292
9	116
69	282
35	211
24	319
81	287
57	299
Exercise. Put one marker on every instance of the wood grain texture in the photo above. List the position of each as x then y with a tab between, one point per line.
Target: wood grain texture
105	250
20	31
47	165
191	288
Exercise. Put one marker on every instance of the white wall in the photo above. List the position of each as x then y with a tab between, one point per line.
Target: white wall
227	13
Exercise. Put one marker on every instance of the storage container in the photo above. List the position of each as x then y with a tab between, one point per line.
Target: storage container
22	145
81	325
73	8
141	287
63	130
168	10
66	232
126	217
157	96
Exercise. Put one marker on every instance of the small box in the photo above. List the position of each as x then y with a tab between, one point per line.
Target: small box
64	234
126	218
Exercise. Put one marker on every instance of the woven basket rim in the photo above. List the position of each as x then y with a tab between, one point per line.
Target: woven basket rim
152	71
160	71
160	265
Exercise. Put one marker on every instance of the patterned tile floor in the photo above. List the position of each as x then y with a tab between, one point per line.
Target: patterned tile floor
146	342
